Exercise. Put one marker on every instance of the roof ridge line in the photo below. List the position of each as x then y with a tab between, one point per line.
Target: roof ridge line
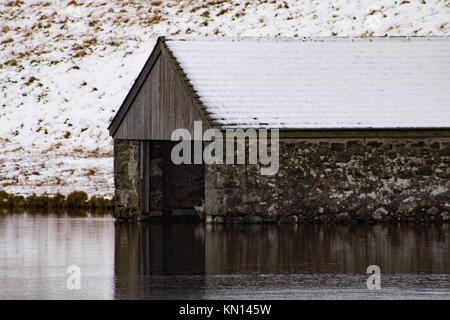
302	39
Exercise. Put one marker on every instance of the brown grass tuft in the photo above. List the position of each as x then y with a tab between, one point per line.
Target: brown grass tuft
14	3
7	40
30	81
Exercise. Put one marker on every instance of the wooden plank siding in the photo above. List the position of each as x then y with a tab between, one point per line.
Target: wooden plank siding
161	106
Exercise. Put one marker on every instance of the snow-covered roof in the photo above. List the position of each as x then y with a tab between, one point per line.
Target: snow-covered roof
321	83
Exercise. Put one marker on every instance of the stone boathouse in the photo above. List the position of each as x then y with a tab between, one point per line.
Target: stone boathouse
364	130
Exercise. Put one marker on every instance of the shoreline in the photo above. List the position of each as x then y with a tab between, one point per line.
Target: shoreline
77	200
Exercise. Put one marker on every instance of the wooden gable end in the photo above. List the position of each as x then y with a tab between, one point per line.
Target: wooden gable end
162	104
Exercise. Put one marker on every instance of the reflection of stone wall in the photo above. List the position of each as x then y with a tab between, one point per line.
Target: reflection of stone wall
126	179
337	180
327	249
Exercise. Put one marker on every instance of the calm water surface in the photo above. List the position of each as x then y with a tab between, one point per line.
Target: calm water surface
188	261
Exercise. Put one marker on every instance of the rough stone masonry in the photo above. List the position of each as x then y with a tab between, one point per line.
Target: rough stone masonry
324	180
126	179
337	180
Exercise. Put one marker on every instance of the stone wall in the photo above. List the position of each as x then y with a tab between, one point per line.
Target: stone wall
337	180
126	179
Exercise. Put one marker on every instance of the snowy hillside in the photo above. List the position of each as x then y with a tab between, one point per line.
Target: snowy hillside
67	65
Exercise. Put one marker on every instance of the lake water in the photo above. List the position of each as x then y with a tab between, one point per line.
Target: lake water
188	261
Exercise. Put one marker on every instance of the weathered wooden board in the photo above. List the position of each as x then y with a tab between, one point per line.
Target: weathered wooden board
162	105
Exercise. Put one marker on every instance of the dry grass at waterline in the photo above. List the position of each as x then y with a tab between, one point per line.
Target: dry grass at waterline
76	200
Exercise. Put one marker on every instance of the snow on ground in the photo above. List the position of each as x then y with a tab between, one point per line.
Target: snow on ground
67	65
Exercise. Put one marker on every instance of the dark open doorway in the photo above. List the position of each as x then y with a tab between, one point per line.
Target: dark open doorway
171	190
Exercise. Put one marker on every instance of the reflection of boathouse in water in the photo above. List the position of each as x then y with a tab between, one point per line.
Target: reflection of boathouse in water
192	261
